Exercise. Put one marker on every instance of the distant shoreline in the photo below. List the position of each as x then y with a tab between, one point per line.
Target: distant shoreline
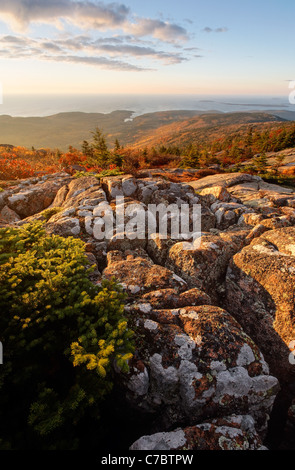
41	106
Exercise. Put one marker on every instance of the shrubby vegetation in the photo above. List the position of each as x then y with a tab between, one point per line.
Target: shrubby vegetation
61	335
234	147
112	171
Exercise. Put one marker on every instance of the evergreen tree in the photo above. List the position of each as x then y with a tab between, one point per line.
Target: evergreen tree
279	160
192	159
100	149
260	162
117	145
87	149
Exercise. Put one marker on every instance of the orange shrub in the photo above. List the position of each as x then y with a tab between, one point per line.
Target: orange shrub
21	163
72	158
13	169
289	171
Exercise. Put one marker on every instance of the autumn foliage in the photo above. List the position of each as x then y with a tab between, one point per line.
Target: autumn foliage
19	163
226	150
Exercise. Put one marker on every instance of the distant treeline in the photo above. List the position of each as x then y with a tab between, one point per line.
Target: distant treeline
232	148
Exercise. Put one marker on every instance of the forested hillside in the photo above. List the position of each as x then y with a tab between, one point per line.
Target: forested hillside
153	129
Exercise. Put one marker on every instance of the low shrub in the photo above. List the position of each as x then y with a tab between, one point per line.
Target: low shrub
50	212
61	335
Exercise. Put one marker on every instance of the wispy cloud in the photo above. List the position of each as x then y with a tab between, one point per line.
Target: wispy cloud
216	30
102	62
102	52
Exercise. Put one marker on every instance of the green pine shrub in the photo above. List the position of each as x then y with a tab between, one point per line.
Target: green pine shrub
61	336
101	174
50	212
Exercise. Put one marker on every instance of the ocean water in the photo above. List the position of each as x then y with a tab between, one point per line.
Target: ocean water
46	105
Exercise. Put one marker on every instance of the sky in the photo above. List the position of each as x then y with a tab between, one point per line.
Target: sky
147	47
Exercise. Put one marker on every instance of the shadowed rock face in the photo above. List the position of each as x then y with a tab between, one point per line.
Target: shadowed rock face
261	295
31	196
213	324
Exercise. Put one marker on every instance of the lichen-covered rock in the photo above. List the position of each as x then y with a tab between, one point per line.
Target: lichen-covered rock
236	432
208	219
225	180
195	365
172	193
250	218
196	362
215	193
158	248
205	267
122	241
82	192
113	186
64	226
80	207
130	217
227	213
34	198
8	216
250	191
60	196
122	185
129	186
171	298
267	224
260	293
137	272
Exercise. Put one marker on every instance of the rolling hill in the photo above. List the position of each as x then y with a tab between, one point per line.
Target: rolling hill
152	129
204	128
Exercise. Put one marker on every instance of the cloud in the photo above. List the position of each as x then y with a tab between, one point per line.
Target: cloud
71	50
101	62
165	31
119	48
27	48
85	13
221	30
12	39
135	38
24	46
50	46
138	51
216	30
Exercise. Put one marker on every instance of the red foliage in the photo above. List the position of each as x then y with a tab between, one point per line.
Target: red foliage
21	163
12	169
289	171
72	158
